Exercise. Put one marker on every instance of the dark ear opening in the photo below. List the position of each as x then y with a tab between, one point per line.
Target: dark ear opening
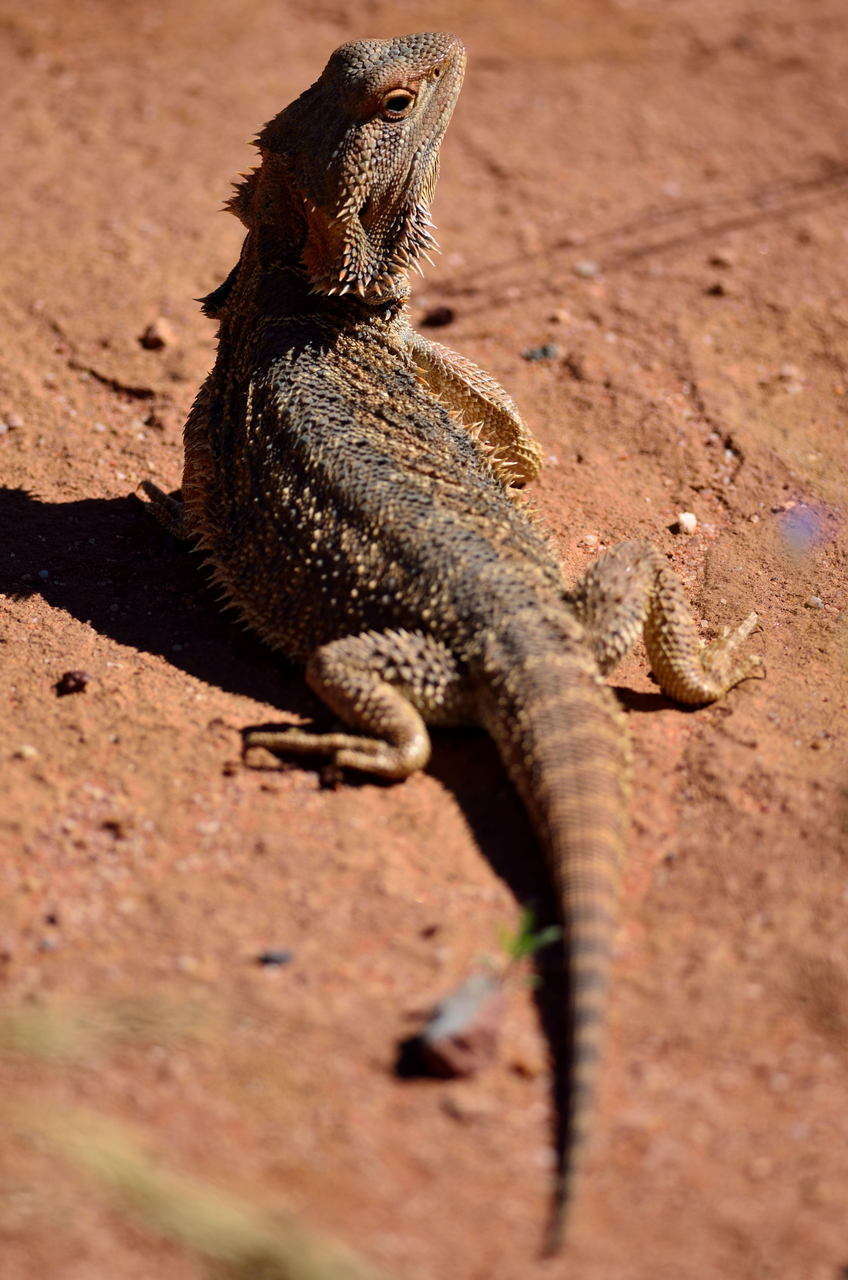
213	304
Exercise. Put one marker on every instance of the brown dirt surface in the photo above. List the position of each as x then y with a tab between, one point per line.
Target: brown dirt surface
694	155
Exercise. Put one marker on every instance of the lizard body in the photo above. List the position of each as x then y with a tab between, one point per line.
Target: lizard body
351	485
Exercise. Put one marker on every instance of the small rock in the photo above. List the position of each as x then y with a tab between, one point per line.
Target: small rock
590	540
560	317
4	427
465	1107
274	959
789	373
687	522
462	1034
71	682
14	421
721	258
26	752
438	317
44	573
586	269
584	366
814	602
547	351
527	1066
157	335
716	290
49	944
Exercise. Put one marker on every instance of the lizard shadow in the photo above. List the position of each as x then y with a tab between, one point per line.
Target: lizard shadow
105	562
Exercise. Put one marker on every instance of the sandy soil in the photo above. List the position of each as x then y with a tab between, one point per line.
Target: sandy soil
695	153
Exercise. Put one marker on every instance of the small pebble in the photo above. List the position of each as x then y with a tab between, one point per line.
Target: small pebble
26	752
547	351
14	421
462	1034
721	258
157	335
560	317
789	373
274	959
687	522
44	573
71	682
814	602
586	268
4	427
588	540
465	1108
49	944
716	290
438	317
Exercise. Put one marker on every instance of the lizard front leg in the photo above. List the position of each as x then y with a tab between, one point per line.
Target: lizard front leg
384	684
631	589
481	404
167	508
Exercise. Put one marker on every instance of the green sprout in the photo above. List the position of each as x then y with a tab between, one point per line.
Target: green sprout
526	940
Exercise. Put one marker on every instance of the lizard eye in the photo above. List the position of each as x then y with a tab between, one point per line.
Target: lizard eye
397	103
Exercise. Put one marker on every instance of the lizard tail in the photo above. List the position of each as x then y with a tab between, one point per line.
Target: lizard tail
561	735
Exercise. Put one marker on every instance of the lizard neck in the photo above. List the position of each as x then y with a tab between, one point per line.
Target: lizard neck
270	281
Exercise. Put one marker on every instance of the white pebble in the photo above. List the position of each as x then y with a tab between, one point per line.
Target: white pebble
814	602
687	521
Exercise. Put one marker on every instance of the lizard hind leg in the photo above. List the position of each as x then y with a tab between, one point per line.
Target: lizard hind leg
631	589
382	684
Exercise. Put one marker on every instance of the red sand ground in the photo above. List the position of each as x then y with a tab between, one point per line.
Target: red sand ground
694	150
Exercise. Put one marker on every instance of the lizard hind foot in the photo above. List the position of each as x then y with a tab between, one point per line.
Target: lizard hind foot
718	658
343	750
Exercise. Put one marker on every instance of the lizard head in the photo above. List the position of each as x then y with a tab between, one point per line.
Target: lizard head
358	156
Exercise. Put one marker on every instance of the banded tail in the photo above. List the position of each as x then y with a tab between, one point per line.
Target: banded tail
562	738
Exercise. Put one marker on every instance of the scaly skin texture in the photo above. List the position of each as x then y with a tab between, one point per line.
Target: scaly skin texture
352	487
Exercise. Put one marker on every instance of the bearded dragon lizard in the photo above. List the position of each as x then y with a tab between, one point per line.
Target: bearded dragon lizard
352	486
